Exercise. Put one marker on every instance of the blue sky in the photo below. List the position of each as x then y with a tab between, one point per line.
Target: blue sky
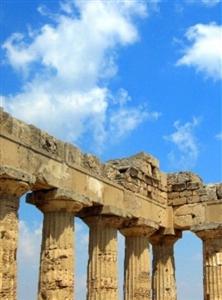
116	78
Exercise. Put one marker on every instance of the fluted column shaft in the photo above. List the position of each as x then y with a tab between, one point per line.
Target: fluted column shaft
163	279
137	283
56	276
212	263
102	280
137	279
56	280
10	192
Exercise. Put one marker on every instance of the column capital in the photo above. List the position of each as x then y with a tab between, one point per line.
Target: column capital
104	220
58	200
106	215
14	182
159	238
208	231
139	227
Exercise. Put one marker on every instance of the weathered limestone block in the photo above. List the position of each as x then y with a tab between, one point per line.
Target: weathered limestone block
189	215
212	259
13	184
137	279
56	278
93	164
140	174
219	191
163	280
73	155
102	279
211	192
183	187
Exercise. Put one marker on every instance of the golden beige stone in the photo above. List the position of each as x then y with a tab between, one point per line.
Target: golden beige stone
56	275
163	279
10	191
56	280
212	260
129	193
137	277
102	278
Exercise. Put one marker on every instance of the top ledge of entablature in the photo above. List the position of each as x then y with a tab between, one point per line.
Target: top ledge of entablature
45	144
31	137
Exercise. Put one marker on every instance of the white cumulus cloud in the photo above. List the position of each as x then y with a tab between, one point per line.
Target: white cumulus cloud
67	65
186	149
204	52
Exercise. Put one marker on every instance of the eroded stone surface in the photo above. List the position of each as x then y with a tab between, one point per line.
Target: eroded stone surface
137	269
56	280
10	191
164	279
130	193
137	276
212	259
139	173
102	278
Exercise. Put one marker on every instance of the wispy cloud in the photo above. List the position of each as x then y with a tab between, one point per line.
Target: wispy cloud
219	136
205	50
207	3
125	120
211	2
185	150
67	65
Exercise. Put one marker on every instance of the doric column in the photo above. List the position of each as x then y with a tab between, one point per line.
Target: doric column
212	260
13	184
163	279
56	278
102	280
137	279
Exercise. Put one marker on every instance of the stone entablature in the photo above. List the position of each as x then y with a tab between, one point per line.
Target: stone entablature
131	195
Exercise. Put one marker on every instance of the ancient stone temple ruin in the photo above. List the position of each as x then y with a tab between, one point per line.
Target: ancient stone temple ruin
130	195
